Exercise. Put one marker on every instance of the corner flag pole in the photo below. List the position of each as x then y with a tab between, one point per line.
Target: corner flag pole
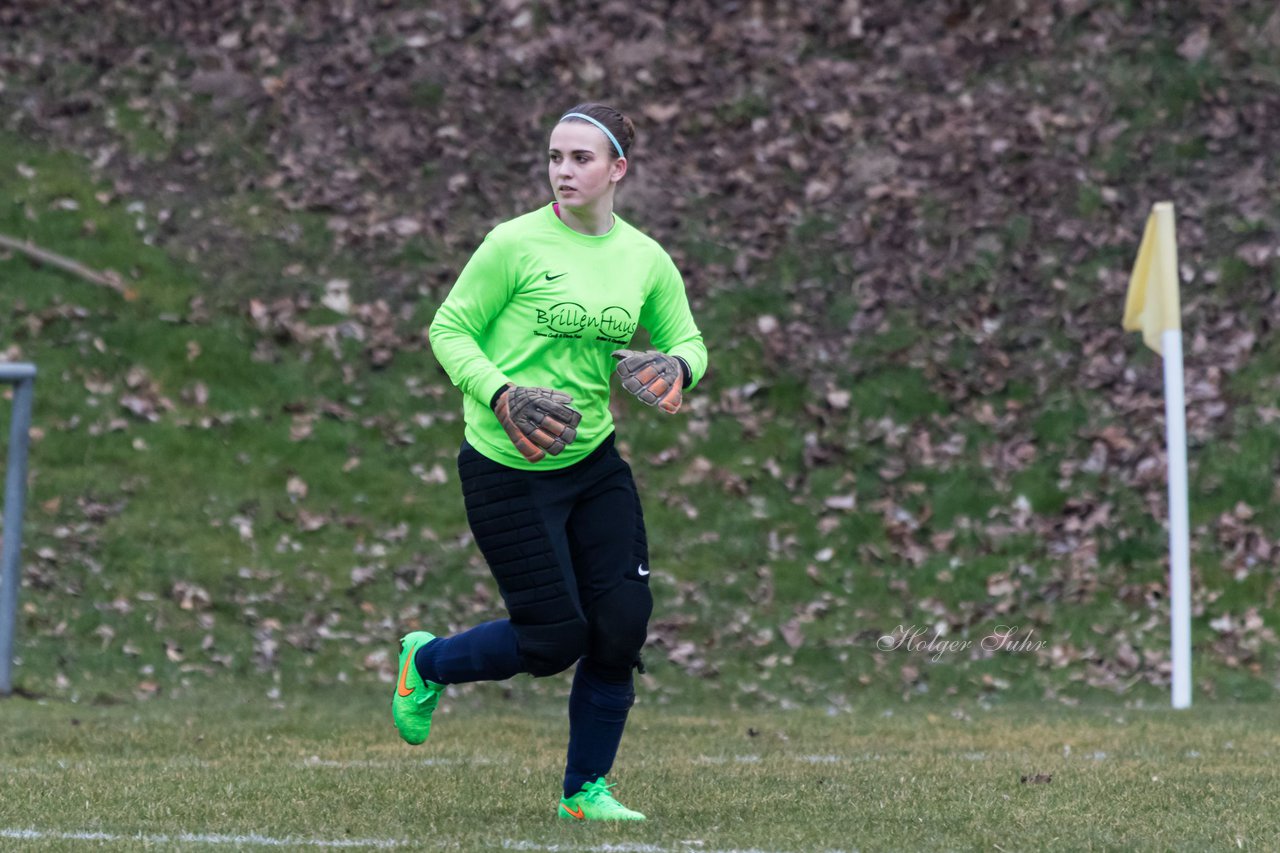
1175	416
1153	307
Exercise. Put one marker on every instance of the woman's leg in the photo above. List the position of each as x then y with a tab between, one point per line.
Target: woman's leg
487	652
610	550
518	520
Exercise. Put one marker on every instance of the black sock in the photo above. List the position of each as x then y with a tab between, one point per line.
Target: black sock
597	714
487	652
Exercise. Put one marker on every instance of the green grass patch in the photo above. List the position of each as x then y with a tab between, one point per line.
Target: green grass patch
1059	421
902	333
142	138
1039	483
902	393
426	94
1227	473
1156	85
963	491
1088	200
746	106
307	769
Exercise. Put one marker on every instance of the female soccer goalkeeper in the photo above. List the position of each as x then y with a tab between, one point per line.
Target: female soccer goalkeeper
530	333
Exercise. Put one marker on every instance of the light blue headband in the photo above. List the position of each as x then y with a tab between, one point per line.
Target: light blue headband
603	129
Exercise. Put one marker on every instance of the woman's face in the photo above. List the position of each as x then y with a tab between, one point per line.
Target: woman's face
579	164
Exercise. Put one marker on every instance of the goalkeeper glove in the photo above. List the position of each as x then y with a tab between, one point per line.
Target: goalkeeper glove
537	420
654	377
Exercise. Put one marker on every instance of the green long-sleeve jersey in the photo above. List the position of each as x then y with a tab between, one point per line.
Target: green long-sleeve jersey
540	304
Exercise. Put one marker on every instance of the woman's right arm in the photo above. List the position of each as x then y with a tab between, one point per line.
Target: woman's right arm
482	290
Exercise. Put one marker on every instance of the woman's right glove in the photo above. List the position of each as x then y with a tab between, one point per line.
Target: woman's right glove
655	378
537	420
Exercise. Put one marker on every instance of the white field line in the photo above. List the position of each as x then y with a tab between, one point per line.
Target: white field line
636	847
802	759
100	762
251	839
255	840
317	762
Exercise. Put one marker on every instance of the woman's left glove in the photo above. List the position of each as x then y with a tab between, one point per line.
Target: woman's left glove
654	377
537	420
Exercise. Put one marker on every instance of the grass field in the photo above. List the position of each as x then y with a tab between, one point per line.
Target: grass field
327	770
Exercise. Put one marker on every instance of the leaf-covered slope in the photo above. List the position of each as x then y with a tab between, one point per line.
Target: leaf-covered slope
906	231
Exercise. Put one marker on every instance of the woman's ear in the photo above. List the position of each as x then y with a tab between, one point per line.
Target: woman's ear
619	169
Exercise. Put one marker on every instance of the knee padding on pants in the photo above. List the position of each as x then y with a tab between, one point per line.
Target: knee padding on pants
548	649
619	624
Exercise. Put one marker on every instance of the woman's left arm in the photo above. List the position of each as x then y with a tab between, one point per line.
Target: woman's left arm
670	323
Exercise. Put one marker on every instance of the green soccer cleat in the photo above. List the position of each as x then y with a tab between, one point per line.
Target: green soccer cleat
594	802
416	699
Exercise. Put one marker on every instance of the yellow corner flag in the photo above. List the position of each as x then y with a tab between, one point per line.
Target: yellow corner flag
1152	304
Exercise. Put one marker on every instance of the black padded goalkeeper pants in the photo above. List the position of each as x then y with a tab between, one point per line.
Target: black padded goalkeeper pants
567	548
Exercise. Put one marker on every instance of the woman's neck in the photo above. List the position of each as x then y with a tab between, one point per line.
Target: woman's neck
592	221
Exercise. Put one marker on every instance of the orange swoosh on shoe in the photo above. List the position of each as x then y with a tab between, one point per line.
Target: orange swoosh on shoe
578	814
403	689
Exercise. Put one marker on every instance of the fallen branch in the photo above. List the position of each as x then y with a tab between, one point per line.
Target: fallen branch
44	256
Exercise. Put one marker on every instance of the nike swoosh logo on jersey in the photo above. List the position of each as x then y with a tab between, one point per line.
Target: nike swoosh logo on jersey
551	277
642	571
